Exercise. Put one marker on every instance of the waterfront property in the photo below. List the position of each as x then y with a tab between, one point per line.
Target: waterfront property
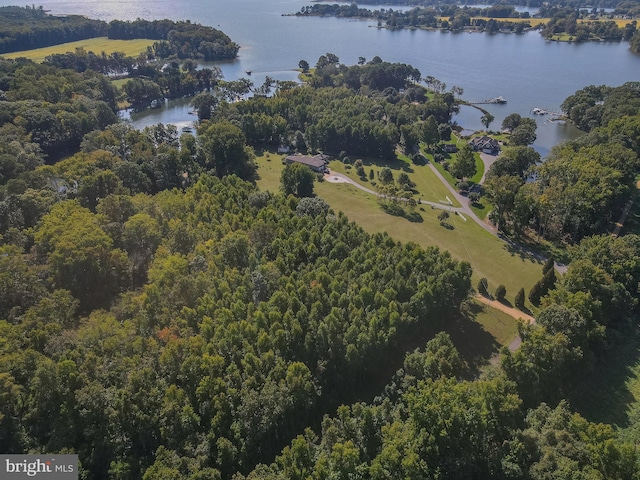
485	144
317	163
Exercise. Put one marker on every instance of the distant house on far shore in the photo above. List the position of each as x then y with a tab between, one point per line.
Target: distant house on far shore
317	163
485	144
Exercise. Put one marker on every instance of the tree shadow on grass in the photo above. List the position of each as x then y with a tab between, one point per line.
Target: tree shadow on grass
603	395
505	302
398	211
475	345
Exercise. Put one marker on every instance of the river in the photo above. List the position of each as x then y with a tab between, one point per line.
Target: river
525	69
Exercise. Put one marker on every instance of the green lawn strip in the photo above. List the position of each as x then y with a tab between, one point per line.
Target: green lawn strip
479	169
96	45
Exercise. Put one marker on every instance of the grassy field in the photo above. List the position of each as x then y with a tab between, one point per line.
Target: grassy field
489	256
96	45
428	187
534	22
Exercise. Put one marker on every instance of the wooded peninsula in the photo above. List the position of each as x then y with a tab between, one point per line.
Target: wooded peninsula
164	317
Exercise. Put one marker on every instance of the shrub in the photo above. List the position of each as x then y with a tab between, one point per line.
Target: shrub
483	287
536	293
463	186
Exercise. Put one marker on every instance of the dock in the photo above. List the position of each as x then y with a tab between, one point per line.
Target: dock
498	100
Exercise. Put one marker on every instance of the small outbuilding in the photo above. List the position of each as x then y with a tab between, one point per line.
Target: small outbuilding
450	148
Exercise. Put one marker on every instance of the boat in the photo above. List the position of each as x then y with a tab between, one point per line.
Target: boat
498	100
248	72
539	111
187	129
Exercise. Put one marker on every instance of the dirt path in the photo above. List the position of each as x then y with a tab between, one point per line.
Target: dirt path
512	312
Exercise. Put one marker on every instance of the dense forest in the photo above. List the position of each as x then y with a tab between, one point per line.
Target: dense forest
600	166
165	319
28	28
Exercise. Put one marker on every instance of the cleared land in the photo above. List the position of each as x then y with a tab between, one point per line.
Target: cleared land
489	256
96	45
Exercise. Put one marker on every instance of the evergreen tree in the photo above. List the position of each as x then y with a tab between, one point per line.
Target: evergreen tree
548	265
519	300
536	293
483	287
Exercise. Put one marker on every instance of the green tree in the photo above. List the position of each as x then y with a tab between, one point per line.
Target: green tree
519	299
222	148
429	132
511	121
385	175
536	293
483	287
81	254
487	119
502	191
465	163
501	292
297	179
204	103
525	133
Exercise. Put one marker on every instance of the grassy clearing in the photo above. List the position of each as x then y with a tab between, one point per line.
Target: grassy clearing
97	45
489	256
534	22
428	187
119	83
620	22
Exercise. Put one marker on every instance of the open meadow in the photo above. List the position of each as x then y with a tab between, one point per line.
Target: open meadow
96	45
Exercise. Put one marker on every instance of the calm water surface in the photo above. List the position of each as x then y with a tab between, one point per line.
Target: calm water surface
525	69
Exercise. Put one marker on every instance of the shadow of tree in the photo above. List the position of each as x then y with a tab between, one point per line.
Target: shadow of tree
603	394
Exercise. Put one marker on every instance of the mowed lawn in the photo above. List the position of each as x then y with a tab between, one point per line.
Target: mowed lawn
428	187
96	45
489	256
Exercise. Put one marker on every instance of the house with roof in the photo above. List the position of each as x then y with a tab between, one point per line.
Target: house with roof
485	144
317	163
